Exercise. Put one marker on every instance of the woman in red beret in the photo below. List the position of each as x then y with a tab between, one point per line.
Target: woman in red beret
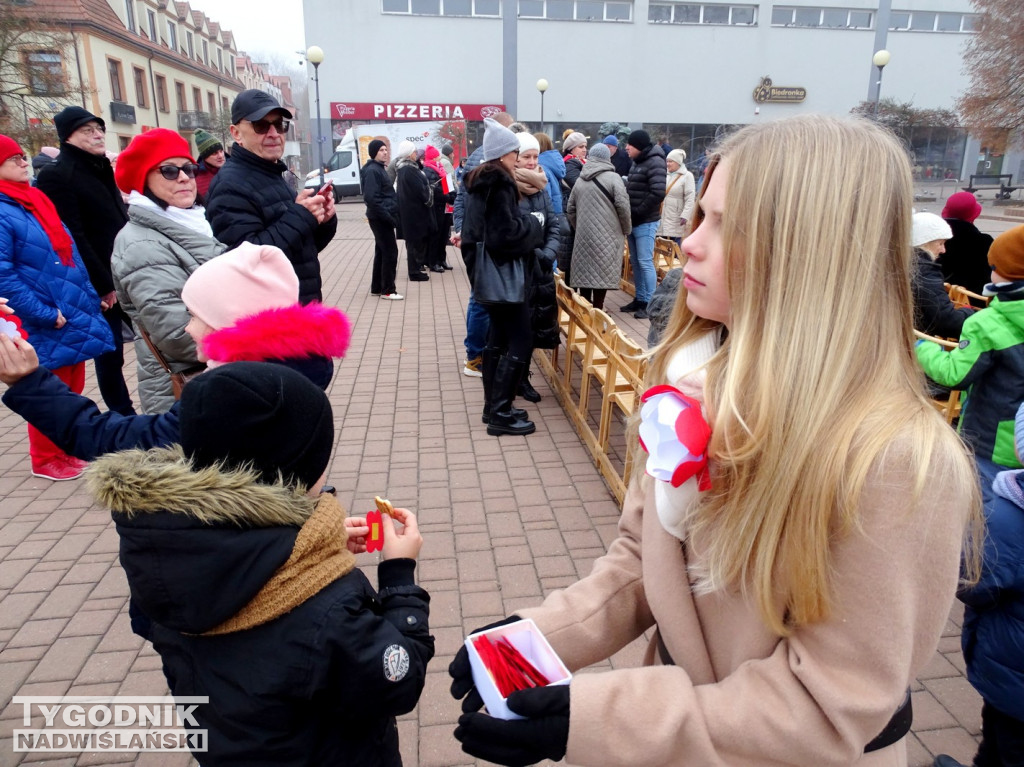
965	262
166	238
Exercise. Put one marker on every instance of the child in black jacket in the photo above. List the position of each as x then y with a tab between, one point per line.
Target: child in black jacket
248	574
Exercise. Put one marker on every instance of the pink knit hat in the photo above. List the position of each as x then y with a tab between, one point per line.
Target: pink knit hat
244	281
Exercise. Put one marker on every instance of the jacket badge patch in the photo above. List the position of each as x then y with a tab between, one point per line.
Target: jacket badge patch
396	663
964	343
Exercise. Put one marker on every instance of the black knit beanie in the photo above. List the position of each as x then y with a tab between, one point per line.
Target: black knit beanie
640	139
70	119
374	147
258	413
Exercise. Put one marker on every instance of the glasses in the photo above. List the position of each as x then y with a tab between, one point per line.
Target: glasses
89	130
170	172
262	126
17	158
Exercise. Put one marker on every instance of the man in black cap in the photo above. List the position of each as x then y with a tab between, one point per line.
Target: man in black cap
250	200
81	184
382	213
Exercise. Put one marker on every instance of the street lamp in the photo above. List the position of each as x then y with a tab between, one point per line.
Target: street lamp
315	56
880	59
542	85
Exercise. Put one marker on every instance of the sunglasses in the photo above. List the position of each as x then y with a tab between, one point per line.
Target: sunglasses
262	126
170	172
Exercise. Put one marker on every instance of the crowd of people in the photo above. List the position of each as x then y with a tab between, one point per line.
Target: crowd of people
767	563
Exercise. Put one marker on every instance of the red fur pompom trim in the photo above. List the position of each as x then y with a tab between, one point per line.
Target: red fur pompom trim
313	330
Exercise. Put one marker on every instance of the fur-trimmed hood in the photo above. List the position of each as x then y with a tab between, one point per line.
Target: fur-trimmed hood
196	545
293	332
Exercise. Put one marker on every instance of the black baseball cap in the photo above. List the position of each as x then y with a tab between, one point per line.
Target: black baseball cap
254	105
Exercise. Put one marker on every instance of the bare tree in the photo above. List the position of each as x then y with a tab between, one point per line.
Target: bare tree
993	106
34	81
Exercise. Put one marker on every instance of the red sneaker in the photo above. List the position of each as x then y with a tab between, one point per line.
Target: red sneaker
57	470
76	463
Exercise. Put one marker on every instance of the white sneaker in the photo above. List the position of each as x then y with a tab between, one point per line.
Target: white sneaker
392	297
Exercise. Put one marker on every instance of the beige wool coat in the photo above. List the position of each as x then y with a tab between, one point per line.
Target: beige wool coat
739	695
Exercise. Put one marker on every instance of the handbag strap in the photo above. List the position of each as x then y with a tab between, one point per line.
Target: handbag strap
609	195
152	348
679	176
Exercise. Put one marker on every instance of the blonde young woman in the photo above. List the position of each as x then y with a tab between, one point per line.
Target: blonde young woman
798	584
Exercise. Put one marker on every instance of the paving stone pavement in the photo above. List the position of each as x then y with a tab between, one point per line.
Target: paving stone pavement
504	522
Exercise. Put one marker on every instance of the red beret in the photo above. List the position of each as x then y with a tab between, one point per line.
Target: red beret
145	152
963	206
8	148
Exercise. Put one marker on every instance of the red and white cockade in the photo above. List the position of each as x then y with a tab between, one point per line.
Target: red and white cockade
675	435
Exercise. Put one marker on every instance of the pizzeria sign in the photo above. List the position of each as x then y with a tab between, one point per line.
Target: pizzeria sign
350	110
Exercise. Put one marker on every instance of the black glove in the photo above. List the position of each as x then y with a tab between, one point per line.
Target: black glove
462	673
519	742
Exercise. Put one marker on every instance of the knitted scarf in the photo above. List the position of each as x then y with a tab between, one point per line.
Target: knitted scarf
1007	484
40	206
318	558
530	181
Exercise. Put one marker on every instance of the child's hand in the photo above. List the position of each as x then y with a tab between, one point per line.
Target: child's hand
17	359
401	544
357	530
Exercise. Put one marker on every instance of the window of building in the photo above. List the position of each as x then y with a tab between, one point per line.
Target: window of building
487	7
172	37
458	8
231	65
123	142
45	72
224	104
930	21
141	96
206	53
161	93
220	60
923	21
830	18
702	13
189	45
211	102
197	99
179	96
427	7
116	80
578	10
129	14
151	18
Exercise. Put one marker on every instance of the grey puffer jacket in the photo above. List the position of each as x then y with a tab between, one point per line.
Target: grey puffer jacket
601	226
152	258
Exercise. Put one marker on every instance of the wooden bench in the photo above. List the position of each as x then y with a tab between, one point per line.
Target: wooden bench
992	181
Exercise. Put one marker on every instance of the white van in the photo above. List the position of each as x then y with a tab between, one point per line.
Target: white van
343	170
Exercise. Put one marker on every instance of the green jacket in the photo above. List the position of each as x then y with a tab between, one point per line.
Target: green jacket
989	365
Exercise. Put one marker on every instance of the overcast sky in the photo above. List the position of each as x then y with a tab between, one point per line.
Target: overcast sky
260	28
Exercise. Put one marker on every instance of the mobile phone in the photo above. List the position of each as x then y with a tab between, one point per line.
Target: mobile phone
326	189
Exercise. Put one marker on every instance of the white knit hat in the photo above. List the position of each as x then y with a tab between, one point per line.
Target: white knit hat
405	148
528	142
929	227
573	140
498	140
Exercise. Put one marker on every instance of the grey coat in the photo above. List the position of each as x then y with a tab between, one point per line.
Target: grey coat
152	258
601	227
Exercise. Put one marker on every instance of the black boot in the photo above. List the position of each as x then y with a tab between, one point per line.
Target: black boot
641	310
632	306
526	390
490	356
502	419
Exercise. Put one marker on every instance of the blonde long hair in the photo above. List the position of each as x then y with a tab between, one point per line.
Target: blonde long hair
816	379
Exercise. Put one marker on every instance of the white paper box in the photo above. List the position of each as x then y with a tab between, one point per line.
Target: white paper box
527	638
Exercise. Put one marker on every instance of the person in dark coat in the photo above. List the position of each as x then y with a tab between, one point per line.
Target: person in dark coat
81	185
437	247
415	210
250	201
965	262
574	147
934	313
535	200
492	217
42	275
241	563
620	158
646	188
47	155
382	214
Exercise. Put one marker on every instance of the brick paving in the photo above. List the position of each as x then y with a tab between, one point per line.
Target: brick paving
504	522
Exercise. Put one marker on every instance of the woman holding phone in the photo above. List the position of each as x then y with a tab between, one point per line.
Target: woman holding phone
798	572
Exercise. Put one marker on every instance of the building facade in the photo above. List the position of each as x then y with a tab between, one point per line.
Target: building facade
138	64
682	69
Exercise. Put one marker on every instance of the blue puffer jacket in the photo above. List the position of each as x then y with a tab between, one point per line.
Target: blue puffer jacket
993	631
554	168
37	284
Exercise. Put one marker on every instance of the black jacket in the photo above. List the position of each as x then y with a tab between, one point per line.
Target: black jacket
646	185
965	262
378	193
82	188
573	168
621	161
543	302
415	202
492	216
934	313
318	685
250	201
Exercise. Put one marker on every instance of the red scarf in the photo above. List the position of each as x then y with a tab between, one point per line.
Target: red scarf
40	206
